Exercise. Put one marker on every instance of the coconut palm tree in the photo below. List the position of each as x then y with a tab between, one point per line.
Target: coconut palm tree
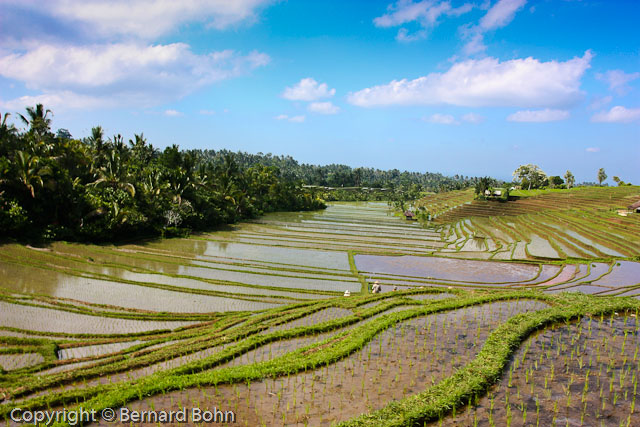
29	171
114	174
96	140
38	120
6	129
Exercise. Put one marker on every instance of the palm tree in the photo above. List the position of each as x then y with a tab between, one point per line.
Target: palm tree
601	175
179	182
142	152
153	182
29	172
6	129
37	119
114	174
97	139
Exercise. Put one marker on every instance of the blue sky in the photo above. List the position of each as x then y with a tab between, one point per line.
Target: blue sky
471	88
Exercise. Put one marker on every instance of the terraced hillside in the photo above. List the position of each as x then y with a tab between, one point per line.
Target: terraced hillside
253	320
581	223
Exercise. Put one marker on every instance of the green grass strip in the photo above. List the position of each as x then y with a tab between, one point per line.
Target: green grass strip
475	378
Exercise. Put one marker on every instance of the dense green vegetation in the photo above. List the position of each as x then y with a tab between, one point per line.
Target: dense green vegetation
339	176
54	186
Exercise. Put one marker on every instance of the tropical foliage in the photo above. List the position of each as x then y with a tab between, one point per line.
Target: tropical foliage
339	176
54	186
530	176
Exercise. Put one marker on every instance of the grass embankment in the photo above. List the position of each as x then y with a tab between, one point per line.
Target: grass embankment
434	402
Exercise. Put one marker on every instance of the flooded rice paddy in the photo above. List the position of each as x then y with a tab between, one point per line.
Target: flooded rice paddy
254	318
582	374
402	360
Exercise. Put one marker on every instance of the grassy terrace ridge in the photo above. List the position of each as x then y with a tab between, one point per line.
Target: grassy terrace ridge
473	379
431	404
290	327
551	224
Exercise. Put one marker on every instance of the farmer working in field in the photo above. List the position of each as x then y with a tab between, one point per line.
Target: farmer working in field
376	288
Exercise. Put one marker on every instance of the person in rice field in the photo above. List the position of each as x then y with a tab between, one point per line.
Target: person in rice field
376	288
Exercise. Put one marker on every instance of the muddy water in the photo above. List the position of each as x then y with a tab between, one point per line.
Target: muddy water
29	280
43	319
262	353
10	362
94	350
321	316
625	274
400	361
585	373
259	253
540	247
447	269
568	272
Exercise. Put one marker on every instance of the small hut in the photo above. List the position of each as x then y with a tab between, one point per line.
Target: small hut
635	207
410	215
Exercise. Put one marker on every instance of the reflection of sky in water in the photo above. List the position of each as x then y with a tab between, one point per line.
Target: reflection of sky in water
625	274
32	280
447	268
278	281
586	240
312	258
43	319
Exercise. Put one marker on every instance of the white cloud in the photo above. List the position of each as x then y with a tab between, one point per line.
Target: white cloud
61	100
425	12
308	90
173	113
592	150
527	83
538	116
122	74
147	19
294	119
501	14
207	112
498	16
404	36
475	45
618	79
323	108
473	118
600	101
442	119
617	114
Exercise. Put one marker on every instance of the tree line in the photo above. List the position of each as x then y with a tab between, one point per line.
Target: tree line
53	186
530	177
343	176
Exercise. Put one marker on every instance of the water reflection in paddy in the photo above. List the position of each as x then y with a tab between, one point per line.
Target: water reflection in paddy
448	269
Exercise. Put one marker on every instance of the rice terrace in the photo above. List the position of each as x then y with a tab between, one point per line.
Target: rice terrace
522	313
353	213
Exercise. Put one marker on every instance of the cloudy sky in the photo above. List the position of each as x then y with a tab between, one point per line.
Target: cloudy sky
471	88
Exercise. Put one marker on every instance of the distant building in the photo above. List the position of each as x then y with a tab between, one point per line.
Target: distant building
635	207
495	193
409	215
